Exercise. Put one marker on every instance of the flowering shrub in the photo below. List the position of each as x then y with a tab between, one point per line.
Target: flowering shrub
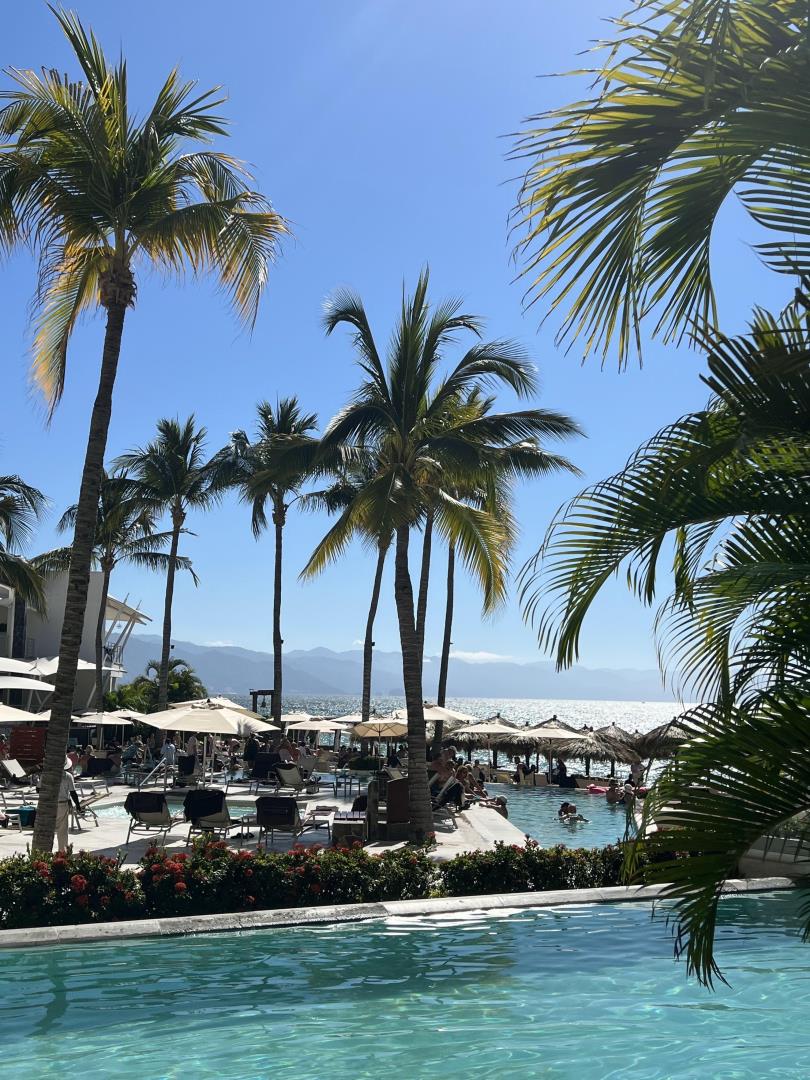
72	888
51	890
213	878
510	868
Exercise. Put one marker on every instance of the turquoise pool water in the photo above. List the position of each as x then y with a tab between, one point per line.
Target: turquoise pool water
116	810
534	811
589	993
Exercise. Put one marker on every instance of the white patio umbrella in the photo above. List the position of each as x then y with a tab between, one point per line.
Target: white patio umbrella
104	719
18	682
207	721
295	718
46	666
385	727
449	716
10	715
214	703
316	725
349	718
11	666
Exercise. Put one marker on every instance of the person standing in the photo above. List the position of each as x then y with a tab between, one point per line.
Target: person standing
169	755
67	792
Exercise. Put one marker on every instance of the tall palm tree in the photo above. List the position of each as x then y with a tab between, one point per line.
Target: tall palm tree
170	474
729	486
21	507
269	472
98	191
696	101
419	430
124	534
351	480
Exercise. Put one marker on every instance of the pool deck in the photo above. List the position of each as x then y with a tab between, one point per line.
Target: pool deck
477	829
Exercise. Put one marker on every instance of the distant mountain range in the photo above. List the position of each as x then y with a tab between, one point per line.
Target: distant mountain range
228	669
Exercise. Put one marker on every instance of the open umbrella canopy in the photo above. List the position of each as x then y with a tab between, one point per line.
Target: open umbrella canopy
662	741
554	724
103	719
613	731
9	666
204	721
316	725
10	715
45	716
127	714
45	666
485	729
598	747
544	733
295	718
349	718
214	703
384	727
19	682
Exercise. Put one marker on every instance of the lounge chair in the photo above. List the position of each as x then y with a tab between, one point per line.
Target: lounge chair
14	774
290	776
84	810
149	812
11	809
279	813
207	811
393	810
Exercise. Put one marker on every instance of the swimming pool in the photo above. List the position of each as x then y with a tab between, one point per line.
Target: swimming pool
116	810
587	993
534	811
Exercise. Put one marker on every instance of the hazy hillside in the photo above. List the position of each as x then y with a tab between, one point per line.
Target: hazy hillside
229	669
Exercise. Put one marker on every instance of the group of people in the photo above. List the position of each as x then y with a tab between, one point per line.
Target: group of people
451	781
568	813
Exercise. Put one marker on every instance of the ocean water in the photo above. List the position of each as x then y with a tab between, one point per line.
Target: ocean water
581	993
632	715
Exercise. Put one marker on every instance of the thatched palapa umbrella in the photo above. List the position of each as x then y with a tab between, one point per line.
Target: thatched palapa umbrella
596	746
662	742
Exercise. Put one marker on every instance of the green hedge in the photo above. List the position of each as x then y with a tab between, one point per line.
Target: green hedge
84	888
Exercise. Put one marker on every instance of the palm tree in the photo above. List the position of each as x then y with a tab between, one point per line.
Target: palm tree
170	474
21	506
270	471
696	101
351	480
420	431
142	692
124	533
729	488
97	191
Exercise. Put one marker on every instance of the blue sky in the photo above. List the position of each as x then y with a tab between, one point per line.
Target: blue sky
380	130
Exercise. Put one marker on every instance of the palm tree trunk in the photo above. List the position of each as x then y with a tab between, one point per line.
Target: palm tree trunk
420	813
424	581
368	644
166	645
105	588
81	556
441	694
278	520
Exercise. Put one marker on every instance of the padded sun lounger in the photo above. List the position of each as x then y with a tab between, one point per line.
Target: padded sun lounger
149	812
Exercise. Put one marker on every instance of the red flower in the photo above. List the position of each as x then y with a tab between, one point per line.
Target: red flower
40	865
180	886
172	867
45	874
105	900
357	844
181	858
129	896
83	900
315	887
244	856
247	872
78	883
156	868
